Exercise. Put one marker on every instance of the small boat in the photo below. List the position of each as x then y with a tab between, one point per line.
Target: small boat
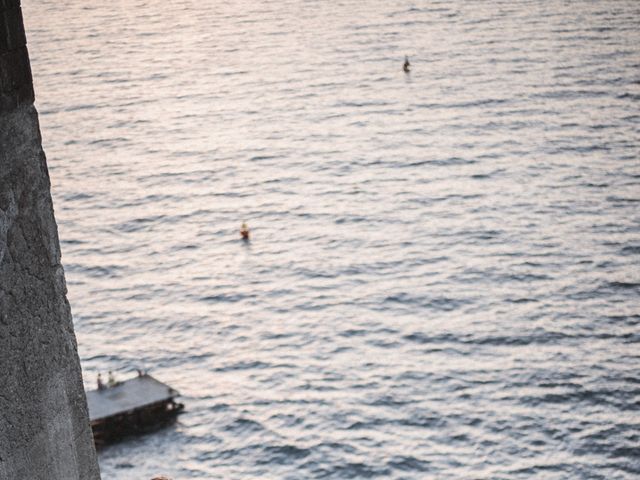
133	406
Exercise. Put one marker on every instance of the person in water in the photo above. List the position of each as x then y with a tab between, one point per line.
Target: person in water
407	66
244	231
112	379
100	382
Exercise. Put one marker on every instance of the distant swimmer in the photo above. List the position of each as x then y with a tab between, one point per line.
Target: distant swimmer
407	66
244	231
111	381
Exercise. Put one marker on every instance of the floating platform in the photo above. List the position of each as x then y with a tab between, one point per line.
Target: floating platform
133	406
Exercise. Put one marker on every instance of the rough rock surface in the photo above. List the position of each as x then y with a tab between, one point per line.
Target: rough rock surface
44	425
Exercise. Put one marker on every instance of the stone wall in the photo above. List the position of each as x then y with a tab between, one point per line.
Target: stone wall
44	425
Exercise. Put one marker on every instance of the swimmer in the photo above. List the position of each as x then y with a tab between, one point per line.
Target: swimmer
244	231
407	66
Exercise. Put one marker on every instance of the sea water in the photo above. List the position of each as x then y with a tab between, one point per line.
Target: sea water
443	278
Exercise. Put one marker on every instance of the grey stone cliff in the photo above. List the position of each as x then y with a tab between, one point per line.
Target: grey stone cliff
44	424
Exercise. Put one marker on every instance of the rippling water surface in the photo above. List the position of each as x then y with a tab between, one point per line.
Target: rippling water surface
443	280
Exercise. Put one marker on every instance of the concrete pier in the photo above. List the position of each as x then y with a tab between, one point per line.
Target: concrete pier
44	425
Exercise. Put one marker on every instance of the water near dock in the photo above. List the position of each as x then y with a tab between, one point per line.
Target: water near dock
443	278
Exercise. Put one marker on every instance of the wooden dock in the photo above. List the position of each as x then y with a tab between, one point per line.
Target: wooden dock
132	406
